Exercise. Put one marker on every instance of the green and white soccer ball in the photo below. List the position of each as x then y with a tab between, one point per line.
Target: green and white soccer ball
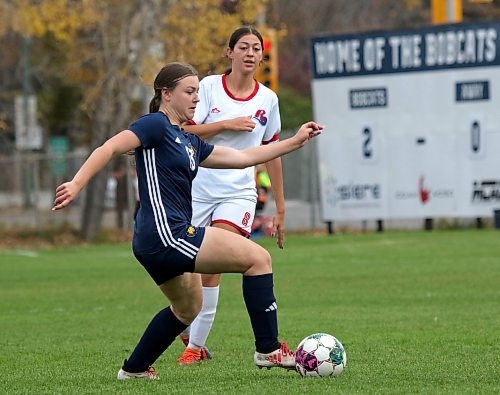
320	355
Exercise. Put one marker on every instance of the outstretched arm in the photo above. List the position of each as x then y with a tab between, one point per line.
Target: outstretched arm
228	158
207	130
116	145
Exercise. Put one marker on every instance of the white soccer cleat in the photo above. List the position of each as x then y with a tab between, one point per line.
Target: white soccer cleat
149	374
283	357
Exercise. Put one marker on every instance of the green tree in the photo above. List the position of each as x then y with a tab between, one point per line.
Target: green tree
203	43
295	109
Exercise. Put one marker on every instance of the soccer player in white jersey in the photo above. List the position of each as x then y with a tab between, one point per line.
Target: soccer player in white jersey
238	112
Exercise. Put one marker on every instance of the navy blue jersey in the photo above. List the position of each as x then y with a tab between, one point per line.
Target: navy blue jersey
167	162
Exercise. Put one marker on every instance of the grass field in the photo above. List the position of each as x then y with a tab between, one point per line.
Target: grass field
417	313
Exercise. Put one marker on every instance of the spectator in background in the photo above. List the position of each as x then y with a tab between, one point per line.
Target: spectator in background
262	224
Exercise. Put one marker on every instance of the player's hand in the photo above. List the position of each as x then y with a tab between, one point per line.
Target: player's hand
65	194
307	131
240	124
279	228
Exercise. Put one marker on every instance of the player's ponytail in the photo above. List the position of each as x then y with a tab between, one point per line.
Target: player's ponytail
154	104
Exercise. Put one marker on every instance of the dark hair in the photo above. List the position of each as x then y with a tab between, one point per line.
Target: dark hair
244	31
168	77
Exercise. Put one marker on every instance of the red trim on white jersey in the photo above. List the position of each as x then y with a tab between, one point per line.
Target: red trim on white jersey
216	185
276	137
223	221
191	122
226	89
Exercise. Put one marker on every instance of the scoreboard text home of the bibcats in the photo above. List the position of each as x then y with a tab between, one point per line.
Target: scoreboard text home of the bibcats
412	122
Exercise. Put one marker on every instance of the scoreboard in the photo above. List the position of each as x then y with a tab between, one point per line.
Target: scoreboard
412	122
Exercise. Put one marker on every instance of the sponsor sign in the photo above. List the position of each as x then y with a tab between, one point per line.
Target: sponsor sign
486	191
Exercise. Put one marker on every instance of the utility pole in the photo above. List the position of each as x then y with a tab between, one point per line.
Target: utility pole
28	134
25	64
26	93
446	11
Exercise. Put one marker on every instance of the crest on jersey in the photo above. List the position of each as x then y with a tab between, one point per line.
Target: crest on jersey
191	231
191	154
260	116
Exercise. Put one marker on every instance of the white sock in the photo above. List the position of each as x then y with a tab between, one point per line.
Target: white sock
200	327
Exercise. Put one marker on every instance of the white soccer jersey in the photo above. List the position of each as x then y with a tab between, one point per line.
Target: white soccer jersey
218	104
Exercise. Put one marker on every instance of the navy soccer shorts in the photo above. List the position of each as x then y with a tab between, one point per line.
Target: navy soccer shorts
176	258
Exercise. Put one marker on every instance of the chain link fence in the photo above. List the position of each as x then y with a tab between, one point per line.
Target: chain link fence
28	181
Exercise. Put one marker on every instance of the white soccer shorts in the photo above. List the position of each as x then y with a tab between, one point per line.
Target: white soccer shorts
236	212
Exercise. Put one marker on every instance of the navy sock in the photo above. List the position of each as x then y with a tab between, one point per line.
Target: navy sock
160	333
261	306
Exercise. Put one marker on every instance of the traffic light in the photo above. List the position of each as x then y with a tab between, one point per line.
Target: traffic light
267	73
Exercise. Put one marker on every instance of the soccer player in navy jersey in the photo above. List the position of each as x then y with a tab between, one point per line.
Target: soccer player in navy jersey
170	248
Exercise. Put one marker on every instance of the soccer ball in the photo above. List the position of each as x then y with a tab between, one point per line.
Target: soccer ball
320	355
